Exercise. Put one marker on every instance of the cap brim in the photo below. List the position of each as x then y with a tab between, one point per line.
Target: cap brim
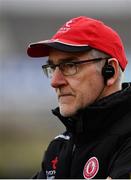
41	49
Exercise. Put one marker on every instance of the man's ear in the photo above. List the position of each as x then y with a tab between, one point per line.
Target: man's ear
115	66
107	72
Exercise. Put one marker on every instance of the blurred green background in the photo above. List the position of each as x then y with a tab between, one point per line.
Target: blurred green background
26	99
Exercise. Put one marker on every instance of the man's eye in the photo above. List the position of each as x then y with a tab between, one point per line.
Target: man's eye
52	66
70	65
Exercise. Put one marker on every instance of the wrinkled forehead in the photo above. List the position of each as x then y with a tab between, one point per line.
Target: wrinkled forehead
57	56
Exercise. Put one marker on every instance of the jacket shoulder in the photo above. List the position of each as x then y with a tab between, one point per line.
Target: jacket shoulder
51	154
65	136
57	143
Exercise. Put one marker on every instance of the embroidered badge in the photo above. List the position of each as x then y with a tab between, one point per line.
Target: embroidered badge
91	168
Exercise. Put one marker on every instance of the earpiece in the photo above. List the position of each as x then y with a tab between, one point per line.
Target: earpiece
107	71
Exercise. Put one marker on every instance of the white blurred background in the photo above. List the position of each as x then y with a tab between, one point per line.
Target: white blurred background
26	99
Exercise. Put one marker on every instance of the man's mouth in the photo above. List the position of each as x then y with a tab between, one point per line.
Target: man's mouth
65	95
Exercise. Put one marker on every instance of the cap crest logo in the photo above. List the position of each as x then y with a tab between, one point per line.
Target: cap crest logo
66	27
91	168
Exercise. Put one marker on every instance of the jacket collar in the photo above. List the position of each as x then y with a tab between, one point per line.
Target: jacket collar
101	115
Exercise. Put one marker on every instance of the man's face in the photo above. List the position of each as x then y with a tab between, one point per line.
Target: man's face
79	90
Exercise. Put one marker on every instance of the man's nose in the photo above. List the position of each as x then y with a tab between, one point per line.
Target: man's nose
58	79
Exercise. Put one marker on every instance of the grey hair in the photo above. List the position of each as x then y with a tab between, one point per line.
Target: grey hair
94	53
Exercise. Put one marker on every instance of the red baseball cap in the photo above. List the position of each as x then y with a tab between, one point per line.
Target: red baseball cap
81	34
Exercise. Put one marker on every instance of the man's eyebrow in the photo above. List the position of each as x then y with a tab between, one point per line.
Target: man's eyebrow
49	61
63	60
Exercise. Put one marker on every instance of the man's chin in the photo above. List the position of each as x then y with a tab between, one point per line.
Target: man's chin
67	111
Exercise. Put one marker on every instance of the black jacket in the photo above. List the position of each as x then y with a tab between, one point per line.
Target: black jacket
96	144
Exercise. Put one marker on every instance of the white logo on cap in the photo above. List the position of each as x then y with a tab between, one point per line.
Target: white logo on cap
65	27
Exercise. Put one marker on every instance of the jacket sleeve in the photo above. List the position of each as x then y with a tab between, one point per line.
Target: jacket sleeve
121	167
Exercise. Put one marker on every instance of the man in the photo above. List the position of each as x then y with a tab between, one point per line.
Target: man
86	61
